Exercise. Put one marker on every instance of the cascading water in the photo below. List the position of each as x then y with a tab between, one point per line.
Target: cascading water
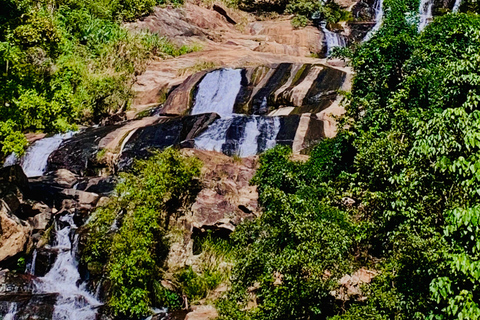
31	265
217	92
34	162
425	11
457	5
74	302
233	133
215	136
332	39
12	311
378	7
259	134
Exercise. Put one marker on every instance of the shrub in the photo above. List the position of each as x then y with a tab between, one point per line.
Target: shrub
128	235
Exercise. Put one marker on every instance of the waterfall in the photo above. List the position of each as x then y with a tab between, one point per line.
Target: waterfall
34	162
332	39
31	265
425	11
457	5
248	144
217	92
226	135
74	302
378	7
12	312
215	136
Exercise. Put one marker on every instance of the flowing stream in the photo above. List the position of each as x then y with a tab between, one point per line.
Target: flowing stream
425	11
74	302
233	134
240	135
378	7
34	162
332	39
217	92
457	5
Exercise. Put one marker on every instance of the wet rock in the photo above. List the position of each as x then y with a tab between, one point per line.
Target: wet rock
45	260
169	132
77	153
42	219
180	100
13	187
61	178
14	175
223	11
83	198
29	306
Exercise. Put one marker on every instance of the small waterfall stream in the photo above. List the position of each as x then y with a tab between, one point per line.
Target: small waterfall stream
457	5
233	134
74	302
34	162
240	135
378	7
425	11
217	92
12	311
332	39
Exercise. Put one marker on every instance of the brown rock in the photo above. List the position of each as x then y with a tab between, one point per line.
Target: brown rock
202	313
83	198
41	220
180	100
14	234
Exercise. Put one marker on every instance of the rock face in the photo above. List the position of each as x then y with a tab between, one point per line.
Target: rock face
168	132
227	198
304	87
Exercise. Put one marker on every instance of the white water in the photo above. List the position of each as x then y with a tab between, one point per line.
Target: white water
259	135
74	302
378	7
248	144
271	132
12	311
217	92
215	136
457	5
34	162
332	39
425	11
31	266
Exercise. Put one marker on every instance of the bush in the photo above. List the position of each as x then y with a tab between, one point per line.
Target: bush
128	235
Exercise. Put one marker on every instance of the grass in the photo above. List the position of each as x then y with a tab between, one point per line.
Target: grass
212	268
198	66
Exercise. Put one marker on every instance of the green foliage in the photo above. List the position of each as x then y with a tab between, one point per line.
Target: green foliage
292	256
69	64
212	267
128	235
407	159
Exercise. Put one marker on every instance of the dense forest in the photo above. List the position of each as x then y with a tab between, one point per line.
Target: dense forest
396	192
67	63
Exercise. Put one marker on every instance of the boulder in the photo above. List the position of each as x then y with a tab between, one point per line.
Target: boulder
228	198
83	198
202	313
14	234
41	220
14	175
